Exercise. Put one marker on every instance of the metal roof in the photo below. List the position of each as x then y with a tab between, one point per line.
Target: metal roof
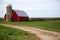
21	13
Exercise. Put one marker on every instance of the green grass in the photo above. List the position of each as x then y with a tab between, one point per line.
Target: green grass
7	33
48	25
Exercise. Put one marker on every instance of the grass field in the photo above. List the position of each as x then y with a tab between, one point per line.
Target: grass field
7	33
48	25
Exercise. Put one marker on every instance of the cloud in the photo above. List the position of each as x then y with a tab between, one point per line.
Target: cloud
34	7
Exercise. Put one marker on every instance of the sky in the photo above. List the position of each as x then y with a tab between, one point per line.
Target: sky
34	8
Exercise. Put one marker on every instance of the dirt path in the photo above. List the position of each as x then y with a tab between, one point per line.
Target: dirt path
42	34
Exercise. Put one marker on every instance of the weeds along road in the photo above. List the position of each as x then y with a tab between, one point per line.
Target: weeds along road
42	34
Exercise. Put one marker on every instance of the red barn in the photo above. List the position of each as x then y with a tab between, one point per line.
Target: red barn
18	15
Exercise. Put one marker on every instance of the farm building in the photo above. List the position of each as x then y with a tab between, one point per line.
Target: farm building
15	15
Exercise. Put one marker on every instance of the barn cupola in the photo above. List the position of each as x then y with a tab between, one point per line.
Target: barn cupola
8	12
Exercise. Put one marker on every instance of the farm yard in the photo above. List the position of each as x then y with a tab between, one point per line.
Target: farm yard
48	25
29	20
42	30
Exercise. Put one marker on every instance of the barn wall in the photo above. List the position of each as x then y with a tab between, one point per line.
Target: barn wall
23	18
14	16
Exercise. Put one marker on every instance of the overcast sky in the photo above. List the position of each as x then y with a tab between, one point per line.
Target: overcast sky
34	8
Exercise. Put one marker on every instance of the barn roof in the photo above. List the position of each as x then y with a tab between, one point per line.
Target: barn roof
21	13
